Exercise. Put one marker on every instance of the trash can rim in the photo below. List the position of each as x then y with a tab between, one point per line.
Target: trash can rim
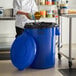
40	25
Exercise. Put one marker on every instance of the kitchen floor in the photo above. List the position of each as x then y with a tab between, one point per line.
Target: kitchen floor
7	69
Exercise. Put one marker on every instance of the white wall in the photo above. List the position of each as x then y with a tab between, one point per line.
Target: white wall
7	30
65	25
7	27
72	4
6	3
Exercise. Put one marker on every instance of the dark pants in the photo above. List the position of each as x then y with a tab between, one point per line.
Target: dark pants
19	31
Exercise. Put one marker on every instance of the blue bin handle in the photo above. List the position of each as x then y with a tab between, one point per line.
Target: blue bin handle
57	31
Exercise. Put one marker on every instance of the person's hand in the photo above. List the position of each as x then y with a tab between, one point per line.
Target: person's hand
28	15
35	16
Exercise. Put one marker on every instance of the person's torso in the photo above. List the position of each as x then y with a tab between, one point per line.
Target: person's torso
26	6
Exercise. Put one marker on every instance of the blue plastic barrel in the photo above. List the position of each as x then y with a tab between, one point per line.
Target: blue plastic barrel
44	35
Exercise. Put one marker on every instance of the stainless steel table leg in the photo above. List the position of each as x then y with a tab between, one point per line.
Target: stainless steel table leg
59	55
61	33
70	40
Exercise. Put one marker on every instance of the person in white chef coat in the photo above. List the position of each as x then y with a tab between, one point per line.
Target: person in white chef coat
24	11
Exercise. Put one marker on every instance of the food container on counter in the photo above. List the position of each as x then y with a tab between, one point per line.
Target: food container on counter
8	12
1	11
64	8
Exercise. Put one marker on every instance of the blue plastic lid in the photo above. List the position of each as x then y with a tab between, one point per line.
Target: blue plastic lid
23	51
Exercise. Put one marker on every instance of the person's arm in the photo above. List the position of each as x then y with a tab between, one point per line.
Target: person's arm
24	13
17	6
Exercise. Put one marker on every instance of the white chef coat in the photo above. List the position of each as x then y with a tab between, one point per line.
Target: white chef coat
28	6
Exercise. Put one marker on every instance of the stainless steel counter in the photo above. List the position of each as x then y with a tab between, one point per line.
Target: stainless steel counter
69	16
7	18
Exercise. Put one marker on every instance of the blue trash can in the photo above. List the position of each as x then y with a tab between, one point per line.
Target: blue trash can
44	35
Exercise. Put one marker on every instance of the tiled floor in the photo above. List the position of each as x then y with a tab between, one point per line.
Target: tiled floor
7	69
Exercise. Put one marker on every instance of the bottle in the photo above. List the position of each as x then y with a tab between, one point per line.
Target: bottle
42	2
48	2
49	14
43	13
54	2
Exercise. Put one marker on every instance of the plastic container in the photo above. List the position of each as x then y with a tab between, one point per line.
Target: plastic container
44	35
64	10
1	11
